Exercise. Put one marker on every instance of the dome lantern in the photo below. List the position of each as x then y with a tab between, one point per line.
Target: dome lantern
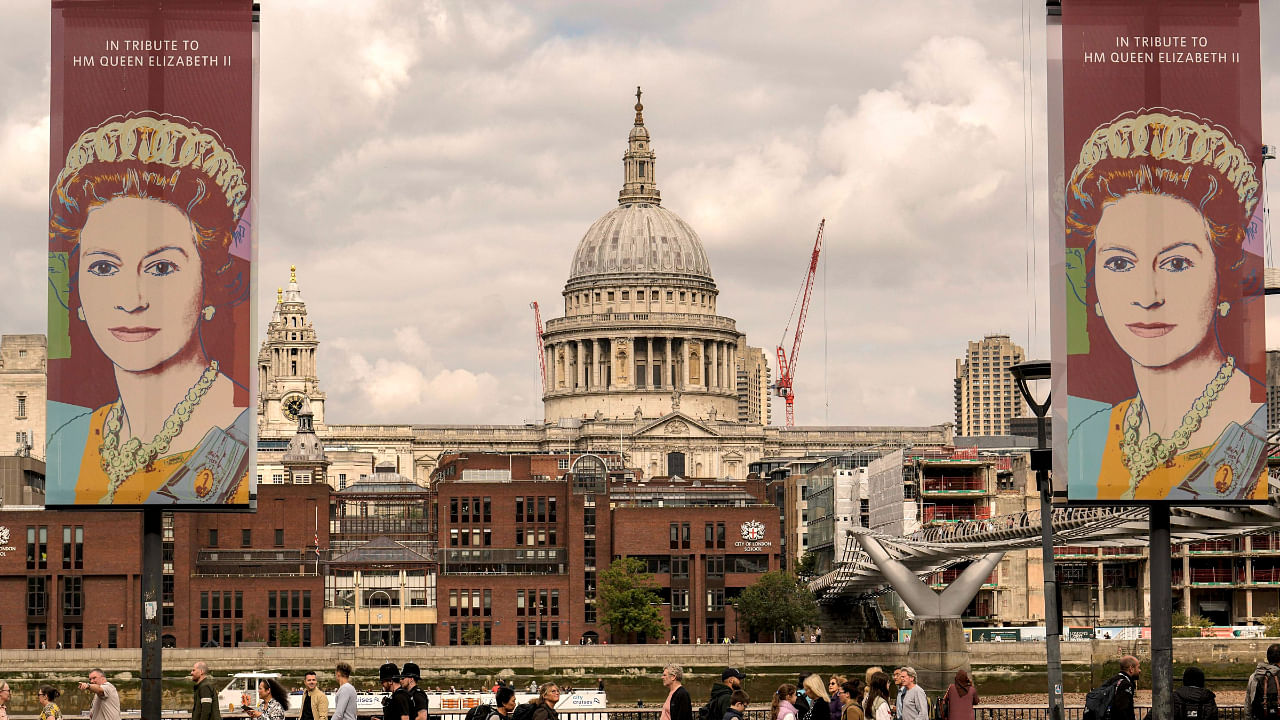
639	184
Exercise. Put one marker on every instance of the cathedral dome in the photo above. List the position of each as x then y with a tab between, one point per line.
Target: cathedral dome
640	238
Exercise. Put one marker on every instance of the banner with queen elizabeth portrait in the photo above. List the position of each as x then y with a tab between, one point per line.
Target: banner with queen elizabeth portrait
151	250
1164	327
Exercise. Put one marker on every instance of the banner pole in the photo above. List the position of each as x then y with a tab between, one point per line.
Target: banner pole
1161	615
152	568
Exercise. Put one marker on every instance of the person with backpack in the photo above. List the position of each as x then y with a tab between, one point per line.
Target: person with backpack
1262	696
1113	700
417	697
721	693
1193	701
958	702
851	692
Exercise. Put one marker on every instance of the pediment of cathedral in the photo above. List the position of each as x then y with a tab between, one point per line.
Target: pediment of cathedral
676	424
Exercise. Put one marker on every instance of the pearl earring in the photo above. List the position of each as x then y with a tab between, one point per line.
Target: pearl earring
208	312
1224	307
1097	309
80	313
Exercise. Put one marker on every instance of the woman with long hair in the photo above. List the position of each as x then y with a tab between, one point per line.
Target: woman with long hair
1164	341
783	705
960	698
877	705
149	271
819	700
273	700
544	706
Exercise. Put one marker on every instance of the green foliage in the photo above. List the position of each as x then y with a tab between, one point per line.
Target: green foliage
288	638
1272	622
253	629
1184	626
807	568
473	635
777	603
628	600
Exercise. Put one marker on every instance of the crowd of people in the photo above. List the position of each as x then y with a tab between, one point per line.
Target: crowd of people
870	697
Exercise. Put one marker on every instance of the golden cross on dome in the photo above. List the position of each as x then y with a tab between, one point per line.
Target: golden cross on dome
293	273
279	295
639	108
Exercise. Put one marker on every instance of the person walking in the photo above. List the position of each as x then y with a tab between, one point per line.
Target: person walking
5	694
344	698
1126	683
866	689
1262	695
395	704
722	692
784	707
877	706
961	696
851	692
49	709
544	707
504	703
273	700
106	699
819	701
678	705
837	701
204	698
914	704
416	701
1193	701
802	698
900	682
315	705
738	702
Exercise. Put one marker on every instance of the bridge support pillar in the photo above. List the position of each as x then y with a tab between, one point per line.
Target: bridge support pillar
937	651
937	637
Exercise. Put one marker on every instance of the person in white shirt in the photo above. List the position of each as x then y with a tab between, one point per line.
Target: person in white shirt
344	698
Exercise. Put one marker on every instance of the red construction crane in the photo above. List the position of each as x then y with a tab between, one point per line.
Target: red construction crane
542	361
787	370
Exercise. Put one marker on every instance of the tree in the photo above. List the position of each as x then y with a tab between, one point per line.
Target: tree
628	598
807	568
289	638
1189	626
253	629
777	602
473	635
1272	623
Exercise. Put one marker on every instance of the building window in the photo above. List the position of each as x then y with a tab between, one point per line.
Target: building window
246	537
679	600
22	407
37	598
213	538
279	537
72	595
112	635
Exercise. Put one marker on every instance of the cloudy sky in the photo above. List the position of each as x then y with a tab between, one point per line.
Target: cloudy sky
431	166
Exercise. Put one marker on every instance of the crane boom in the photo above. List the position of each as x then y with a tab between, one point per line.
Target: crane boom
787	366
542	360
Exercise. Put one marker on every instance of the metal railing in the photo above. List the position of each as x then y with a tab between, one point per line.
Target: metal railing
1076	712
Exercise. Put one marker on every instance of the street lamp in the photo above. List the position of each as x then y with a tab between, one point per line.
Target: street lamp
1041	461
348	637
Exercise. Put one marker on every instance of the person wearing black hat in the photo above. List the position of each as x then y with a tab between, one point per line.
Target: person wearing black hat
730	680
1193	701
417	698
393	705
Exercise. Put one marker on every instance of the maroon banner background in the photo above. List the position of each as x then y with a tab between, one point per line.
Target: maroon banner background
117	79
1096	92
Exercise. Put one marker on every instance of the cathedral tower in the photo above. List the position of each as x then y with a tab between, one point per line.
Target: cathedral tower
287	375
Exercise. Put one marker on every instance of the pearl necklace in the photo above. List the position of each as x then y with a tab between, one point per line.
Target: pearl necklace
1143	457
120	462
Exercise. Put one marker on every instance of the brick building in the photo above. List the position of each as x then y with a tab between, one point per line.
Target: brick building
72	576
524	537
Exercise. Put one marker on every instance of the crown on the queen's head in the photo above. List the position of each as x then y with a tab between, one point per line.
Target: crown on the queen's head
161	139
1175	136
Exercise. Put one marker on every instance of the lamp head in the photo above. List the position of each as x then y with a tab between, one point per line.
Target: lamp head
1032	371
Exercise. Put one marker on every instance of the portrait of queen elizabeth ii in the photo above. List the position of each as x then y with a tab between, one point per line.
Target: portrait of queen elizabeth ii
149	262
1166	399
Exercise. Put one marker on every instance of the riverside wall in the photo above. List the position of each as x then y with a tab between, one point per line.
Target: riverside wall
619	658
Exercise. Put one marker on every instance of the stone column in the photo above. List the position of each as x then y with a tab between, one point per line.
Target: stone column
713	375
548	361
648	362
671	366
1186	582
684	357
1102	595
582	363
